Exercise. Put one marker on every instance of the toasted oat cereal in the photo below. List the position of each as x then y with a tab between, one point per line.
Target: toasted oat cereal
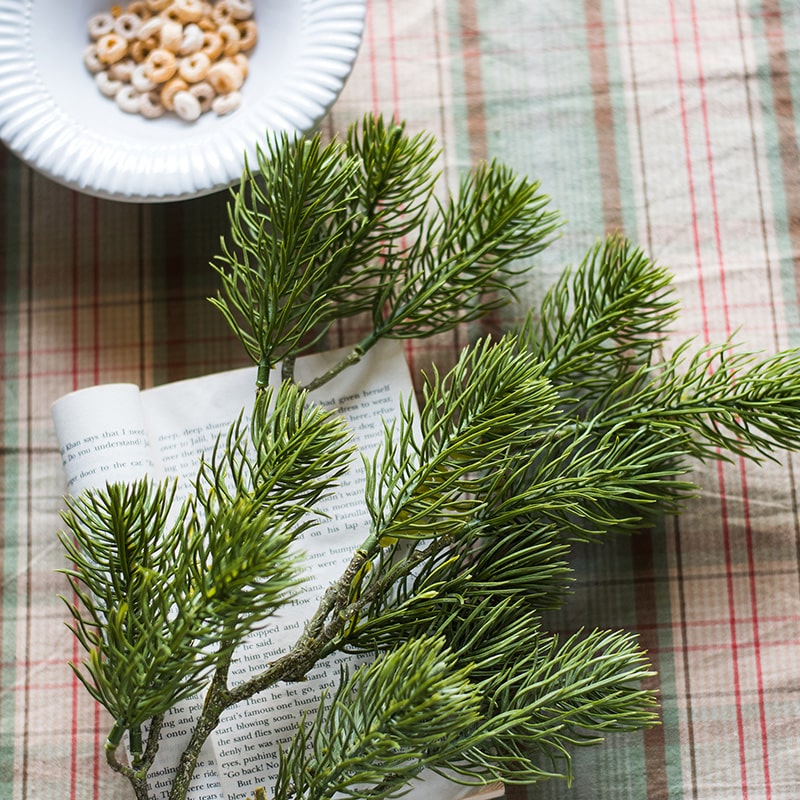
186	105
184	57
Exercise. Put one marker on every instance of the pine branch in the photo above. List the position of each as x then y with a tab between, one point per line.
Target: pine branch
472	425
163	599
275	272
127	572
634	421
289	458
728	401
327	232
558	697
603	320
469	249
571	427
310	233
384	724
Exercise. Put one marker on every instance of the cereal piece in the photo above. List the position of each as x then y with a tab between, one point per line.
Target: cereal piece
122	70
230	39
225	103
139	7
140	50
116	10
100	24
225	77
192	40
111	47
205	94
194	68
248	34
170	14
128	99
140	81
127	26
160	65
157	5
171	88
212	45
150	28
240	9
150	106
185	11
107	85
221	13
241	61
91	59
187	106
171	35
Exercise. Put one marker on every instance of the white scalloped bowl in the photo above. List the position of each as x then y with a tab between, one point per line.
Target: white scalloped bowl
54	118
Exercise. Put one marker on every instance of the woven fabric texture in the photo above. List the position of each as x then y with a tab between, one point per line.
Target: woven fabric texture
673	121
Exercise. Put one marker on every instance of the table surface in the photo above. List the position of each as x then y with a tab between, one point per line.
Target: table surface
674	121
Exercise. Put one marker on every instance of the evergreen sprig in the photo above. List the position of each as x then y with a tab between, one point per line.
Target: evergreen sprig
602	320
555	696
573	425
287	459
164	595
325	232
388	720
471	431
147	640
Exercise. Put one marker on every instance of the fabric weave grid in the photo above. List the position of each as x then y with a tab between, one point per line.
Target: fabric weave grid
675	122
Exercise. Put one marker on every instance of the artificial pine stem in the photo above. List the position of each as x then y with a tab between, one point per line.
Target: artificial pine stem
570	427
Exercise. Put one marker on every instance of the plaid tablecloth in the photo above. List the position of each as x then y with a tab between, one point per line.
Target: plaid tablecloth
674	121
